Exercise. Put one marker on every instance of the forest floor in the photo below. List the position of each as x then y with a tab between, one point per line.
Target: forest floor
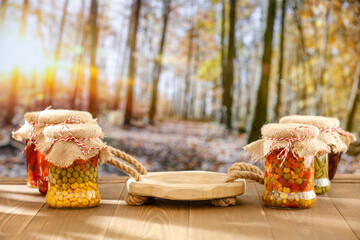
170	145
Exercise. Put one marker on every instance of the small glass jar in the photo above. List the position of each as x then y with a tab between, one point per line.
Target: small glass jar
75	186
334	159
291	184
322	182
42	180
31	165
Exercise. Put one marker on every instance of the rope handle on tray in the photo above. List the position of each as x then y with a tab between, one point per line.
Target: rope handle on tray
236	171
129	159
245	171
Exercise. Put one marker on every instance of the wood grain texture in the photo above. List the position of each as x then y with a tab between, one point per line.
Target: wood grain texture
91	223
346	198
159	219
246	220
18	206
186	185
323	221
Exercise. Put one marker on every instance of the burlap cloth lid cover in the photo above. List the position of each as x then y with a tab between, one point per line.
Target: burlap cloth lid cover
347	137
23	132
300	139
326	131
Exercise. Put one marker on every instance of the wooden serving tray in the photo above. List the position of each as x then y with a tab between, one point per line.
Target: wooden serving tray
186	185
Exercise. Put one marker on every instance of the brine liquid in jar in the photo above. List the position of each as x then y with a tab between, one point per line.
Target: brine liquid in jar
31	165
75	186
291	184
322	182
334	159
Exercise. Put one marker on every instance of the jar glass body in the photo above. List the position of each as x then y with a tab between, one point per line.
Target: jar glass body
75	186
322	182
289	183
42	180
334	159
31	165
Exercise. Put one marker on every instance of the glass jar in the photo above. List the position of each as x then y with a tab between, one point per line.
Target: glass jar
334	159
322	182
75	186
291	184
42	180
31	165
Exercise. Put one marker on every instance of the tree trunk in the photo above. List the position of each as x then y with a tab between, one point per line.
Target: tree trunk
281	60
223	59
188	71
3	7
158	63
132	60
229	67
94	31
80	61
354	98
12	101
260	111
56	56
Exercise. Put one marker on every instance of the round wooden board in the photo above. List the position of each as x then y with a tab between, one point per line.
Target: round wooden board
186	185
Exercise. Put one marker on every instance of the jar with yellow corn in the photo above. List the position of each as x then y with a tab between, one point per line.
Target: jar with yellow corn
75	186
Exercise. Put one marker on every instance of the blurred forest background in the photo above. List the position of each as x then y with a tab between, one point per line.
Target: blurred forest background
181	84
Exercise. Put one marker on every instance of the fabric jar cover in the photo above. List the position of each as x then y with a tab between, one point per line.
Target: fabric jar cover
327	133
299	139
347	137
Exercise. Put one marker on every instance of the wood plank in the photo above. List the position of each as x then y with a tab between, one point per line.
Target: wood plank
246	220
89	223
18	205
323	221
159	219
346	198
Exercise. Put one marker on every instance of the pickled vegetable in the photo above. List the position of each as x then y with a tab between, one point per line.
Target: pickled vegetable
71	188
322	182
31	165
334	159
42	180
291	184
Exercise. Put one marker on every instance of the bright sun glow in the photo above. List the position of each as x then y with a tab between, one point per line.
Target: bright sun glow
26	54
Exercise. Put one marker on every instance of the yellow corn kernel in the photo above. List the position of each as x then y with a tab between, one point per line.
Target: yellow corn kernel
92	203
284	201
73	199
74	185
65	193
59	204
57	186
83	195
85	202
297	198
74	204
52	203
77	190
89	189
283	196
61	198
286	170
272	197
77	195
81	185
71	195
294	176
286	190
91	184
66	203
292	172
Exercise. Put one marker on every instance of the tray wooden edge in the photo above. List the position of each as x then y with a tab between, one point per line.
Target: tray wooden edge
189	192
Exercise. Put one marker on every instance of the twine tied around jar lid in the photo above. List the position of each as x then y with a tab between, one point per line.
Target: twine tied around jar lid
346	137
327	133
299	139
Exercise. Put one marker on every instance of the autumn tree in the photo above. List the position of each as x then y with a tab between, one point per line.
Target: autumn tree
94	32
131	44
259	116
158	62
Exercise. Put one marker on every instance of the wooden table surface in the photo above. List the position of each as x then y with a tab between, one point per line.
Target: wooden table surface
25	215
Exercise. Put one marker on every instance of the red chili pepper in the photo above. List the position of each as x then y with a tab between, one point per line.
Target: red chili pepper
307	175
303	185
284	182
294	187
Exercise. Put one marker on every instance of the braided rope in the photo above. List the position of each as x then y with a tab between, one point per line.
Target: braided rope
122	166
129	159
135	200
245	171
224	202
